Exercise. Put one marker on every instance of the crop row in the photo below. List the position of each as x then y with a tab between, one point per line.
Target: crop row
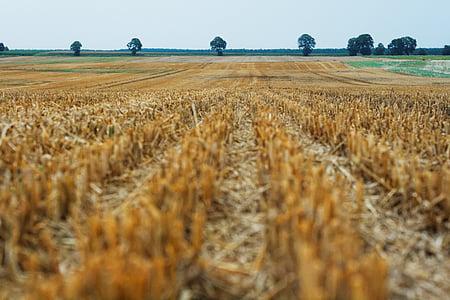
43	131
312	243
156	235
415	121
415	180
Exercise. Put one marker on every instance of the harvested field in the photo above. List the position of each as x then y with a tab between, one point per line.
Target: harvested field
222	178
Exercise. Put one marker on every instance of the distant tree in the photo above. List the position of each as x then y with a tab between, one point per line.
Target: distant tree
306	43
362	44
134	46
410	44
446	50
76	48
380	49
218	44
365	44
2	47
353	47
396	47
401	46
6	48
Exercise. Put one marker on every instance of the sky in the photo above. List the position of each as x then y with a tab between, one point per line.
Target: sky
251	24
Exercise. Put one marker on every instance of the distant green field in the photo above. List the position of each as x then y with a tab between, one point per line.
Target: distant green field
417	67
19	53
417	57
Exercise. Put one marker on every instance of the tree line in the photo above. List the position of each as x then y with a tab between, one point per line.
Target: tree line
363	44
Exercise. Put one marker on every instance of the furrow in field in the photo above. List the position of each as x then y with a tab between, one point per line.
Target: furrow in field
234	246
168	73
339	78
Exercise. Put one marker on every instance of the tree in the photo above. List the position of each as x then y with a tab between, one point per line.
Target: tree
380	49
410	44
396	47
446	50
76	48
2	47
306	43
404	45
353	47
362	44
218	44
365	44
134	46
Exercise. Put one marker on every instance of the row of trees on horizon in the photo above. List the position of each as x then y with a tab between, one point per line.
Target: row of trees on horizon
363	44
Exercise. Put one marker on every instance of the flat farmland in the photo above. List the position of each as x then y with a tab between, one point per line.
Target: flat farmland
222	178
192	72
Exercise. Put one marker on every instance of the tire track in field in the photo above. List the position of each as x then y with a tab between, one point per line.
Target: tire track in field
122	83
205	65
234	239
343	79
326	74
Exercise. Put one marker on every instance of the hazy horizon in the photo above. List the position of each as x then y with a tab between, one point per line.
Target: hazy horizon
177	24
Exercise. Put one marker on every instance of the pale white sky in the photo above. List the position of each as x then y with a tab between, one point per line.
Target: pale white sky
110	24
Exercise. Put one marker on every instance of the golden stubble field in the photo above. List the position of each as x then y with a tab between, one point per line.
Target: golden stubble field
222	178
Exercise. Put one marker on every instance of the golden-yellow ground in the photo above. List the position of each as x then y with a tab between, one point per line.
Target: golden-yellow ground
192	73
222	178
